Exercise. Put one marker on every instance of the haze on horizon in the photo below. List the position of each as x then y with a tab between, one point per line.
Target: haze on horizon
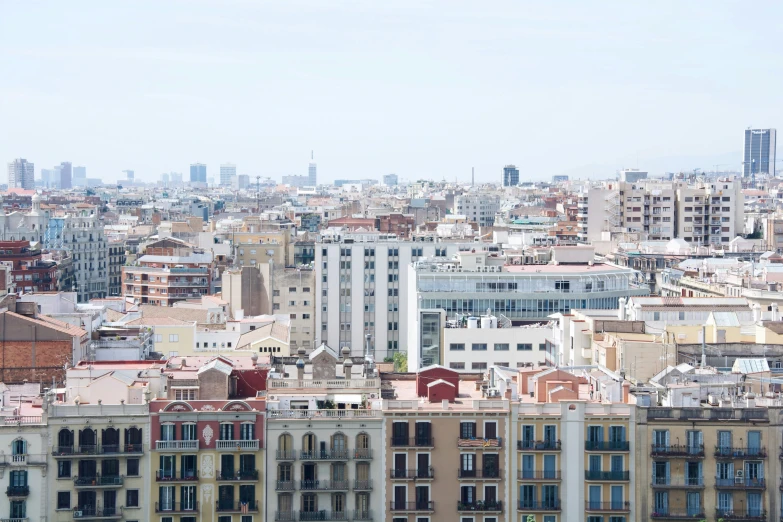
418	88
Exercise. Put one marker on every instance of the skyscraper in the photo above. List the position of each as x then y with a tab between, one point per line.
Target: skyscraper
21	174
228	172
129	175
312	180
759	152
47	178
390	180
79	176
198	173
510	176
66	175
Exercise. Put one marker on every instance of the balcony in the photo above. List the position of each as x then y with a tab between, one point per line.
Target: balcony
238	445
748	515
608	445
677	450
526	474
362	454
97	512
411	474
323	515
678	515
176	507
724	452
480	443
285	454
538	445
418	506
186	475
97	482
677	482
607	475
482	506
176	445
362	485
323	485
740	483
334	454
359	514
285	516
621	507
284	485
242	475
543	505
482	474
17	491
237	507
416	442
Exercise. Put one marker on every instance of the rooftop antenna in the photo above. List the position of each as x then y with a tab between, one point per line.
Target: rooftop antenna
703	347
312	155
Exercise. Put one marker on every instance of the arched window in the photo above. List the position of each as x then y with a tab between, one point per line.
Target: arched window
309	446
19	447
362	450
339	446
285	447
133	440
110	440
65	442
88	441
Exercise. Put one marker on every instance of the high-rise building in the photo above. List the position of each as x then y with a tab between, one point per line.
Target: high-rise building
478	208
243	181
228	171
759	152
66	175
390	180
129	175
21	174
312	179
510	176
198	173
176	178
79	176
47	178
164	178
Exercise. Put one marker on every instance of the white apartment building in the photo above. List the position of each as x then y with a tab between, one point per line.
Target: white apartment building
21	174
478	208
362	288
228	173
710	213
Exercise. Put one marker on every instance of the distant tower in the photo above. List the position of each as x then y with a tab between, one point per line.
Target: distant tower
759	152
228	171
129	174
312	179
66	175
21	174
198	173
510	176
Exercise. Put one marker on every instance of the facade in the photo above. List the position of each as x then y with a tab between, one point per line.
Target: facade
28	271
66	175
23	465
21	174
390	180
293	293
632	175
362	288
79	176
228	173
477	208
243	182
478	345
166	286
117	260
99	456
758	156
710	213
510	176
312	177
198	173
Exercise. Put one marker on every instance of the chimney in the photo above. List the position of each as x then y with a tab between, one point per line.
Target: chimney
347	362
626	391
621	311
300	364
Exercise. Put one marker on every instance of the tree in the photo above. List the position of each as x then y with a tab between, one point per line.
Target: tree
400	362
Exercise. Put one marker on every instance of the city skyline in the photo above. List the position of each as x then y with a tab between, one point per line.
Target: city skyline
421	90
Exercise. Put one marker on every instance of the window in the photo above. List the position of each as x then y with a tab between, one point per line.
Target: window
306	289
173	338
64	469
479	347
291	303
305	316
63	500
158	338
525	347
457	365
276	293
541	347
501	347
132	498
478	366
291	289
132	469
457	347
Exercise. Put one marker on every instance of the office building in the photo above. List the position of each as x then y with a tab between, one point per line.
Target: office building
198	173
176	178
312	179
510	176
243	182
47	178
477	208
66	175
758	155
390	180
559	179
21	174
165	179
129	175
79	176
710	212
228	172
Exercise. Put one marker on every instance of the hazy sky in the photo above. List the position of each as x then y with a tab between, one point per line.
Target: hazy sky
422	89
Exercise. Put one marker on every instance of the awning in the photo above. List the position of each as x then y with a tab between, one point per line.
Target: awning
348	398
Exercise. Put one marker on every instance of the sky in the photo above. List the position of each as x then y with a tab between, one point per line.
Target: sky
423	89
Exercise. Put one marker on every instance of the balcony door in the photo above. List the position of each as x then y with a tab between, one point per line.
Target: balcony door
422	464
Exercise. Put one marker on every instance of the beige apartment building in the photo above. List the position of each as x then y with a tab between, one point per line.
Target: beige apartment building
294	294
710	213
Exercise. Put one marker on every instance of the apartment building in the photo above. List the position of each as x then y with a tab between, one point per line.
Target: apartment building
208	449
429	434
478	208
99	461
362	288
29	272
325	432
574	455
294	294
713	461
710	213
24	462
117	260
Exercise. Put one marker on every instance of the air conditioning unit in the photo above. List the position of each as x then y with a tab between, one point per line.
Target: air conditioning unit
740	473
77	514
